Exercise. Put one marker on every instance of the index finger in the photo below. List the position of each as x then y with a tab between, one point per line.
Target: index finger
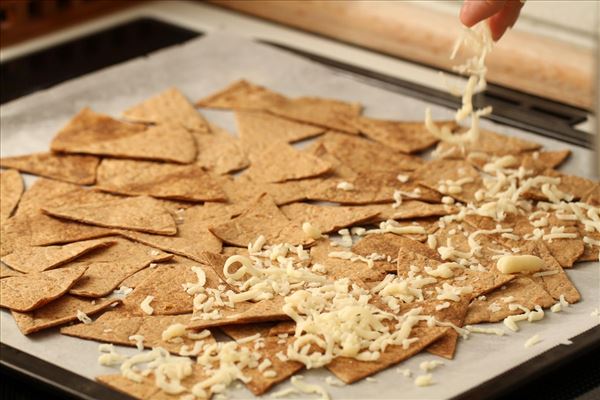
474	11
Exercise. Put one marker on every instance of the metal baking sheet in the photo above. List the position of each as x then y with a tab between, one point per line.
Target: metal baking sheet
204	65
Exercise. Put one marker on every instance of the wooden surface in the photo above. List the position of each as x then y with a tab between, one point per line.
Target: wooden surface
523	61
26	19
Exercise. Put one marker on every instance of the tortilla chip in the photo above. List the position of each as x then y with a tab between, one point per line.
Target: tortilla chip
97	134
327	218
337	268
193	237
147	389
350	370
488	142
245	313
165	284
142	213
259	130
118	330
11	189
263	218
435	173
63	167
176	182
280	162
169	107
577	186
219	151
368	189
59	312
405	137
38	258
366	156
593	195
326	113
107	269
28	292
389	244
137	278
446	346
242	95
493	308
411	209
5	272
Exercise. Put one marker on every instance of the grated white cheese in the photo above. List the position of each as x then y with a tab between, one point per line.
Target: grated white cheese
430	365
83	317
145	305
535	339
490	331
311	231
173	331
347	186
424	380
139	341
303	387
331	381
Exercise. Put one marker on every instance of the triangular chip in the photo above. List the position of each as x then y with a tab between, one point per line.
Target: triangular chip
574	185
63	167
242	95
280	162
327	218
119	330
350	370
97	134
490	143
219	151
405	137
28	292
389	244
171	108
327	113
59	312
107	269
177	182
142	213
11	189
39	258
193	237
365	156
263	218
259	130
454	178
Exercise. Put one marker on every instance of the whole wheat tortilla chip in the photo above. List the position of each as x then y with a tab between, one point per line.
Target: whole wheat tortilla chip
28	292
374	188
108	268
577	186
405	137
59	312
259	130
242	95
338	168
39	258
147	389
11	189
410	209
245	313
280	162
219	151
97	134
487	142
63	167
263	218
193	237
176	182
389	244
435	173
593	195
327	218
5	271
558	284
118	330
590	252
327	113
137	278
493	307
169	107
337	268
539	161
350	370
165	284
365	156
284	369
141	213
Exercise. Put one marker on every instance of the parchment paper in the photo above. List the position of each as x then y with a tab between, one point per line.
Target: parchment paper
206	64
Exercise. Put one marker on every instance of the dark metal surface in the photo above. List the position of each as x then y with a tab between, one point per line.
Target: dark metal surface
87	54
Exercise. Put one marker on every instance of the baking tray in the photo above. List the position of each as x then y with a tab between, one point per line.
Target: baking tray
69	384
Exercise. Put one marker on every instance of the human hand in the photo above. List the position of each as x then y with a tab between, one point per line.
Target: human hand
501	14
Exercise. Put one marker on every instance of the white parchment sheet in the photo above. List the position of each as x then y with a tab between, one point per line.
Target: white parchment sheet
204	65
